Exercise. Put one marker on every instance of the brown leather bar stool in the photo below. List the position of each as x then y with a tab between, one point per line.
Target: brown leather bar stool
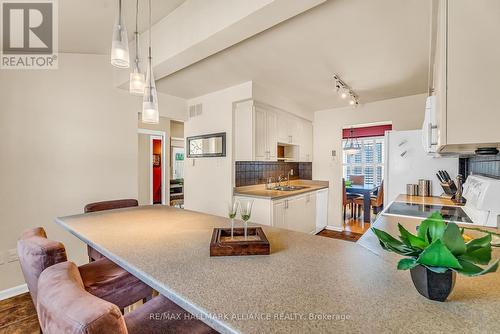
64	306
102	278
102	206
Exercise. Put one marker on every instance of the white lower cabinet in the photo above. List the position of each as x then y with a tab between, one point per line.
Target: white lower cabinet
302	213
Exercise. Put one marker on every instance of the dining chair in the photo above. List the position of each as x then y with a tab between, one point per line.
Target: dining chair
102	278
64	306
358	180
102	206
347	200
377	200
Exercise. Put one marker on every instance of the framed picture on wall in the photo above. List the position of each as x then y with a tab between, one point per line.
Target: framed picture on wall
156	160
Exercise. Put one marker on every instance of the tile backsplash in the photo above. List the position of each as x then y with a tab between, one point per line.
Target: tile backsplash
255	172
484	165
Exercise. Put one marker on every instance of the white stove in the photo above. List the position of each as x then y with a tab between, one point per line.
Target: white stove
483	200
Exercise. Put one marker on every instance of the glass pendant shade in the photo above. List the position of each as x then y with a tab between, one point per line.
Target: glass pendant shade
150	112
352	145
137	81
119	45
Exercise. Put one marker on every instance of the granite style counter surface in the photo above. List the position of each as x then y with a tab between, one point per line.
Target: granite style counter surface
260	191
309	284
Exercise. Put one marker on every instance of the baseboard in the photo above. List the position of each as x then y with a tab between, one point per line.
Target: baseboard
11	292
334	228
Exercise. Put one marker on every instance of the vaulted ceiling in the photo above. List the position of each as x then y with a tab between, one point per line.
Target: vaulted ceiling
85	26
379	47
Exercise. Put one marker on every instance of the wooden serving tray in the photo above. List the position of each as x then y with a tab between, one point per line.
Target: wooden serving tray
222	244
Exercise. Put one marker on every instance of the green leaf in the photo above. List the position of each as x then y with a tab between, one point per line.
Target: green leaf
453	240
437	255
469	269
405	264
439	270
479	256
432	228
410	239
478	243
392	244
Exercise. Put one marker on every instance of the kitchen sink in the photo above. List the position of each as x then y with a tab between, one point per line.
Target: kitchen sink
290	188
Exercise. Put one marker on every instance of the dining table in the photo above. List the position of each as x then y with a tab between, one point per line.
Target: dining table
307	284
364	190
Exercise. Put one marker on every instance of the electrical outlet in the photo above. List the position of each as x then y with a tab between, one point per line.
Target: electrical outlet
291	171
12	255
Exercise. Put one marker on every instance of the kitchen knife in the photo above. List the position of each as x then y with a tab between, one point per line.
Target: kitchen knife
439	178
443	176
447	175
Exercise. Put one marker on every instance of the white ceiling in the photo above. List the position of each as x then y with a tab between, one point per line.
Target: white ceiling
85	26
379	48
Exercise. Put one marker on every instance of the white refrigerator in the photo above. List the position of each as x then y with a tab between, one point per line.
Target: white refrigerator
407	162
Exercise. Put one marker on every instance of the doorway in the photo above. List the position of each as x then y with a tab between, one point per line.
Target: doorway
151	167
363	157
177	155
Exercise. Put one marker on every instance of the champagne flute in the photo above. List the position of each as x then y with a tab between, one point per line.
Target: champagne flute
232	209
246	212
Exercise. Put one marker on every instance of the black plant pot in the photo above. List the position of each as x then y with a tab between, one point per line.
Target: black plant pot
432	285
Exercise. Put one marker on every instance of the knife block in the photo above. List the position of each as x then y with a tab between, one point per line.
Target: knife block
449	188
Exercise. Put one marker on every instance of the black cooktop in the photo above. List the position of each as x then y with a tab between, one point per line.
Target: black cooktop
450	213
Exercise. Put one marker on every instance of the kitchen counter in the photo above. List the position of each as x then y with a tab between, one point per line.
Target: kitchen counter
432	200
309	284
260	191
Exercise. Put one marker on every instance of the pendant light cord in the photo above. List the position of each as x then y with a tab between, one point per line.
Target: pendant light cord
137	32
150	55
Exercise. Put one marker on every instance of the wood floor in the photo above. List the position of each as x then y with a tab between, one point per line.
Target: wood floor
18	315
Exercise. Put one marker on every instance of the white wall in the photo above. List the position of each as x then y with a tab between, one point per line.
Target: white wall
67	138
208	182
406	113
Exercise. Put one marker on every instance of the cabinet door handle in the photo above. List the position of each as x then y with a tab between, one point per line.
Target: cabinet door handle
430	127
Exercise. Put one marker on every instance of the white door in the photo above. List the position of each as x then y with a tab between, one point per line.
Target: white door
297	214
279	214
283	128
260	134
271	127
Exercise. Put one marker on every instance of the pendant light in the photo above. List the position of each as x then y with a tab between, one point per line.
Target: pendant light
119	44
137	80
150	101
352	145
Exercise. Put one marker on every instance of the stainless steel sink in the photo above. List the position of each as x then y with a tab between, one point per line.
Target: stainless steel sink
290	188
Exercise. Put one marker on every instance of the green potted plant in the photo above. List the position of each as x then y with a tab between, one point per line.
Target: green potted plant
437	253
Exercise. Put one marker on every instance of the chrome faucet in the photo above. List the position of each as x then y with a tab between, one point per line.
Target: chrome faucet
280	178
288	178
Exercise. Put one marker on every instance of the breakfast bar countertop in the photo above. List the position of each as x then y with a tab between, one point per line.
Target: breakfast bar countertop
309	284
260	191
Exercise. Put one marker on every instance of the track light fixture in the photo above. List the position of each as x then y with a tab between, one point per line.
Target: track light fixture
345	92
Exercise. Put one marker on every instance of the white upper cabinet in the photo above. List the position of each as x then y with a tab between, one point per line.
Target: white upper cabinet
466	69
289	128
306	141
259	128
254	133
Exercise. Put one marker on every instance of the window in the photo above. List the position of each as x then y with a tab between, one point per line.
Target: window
368	162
